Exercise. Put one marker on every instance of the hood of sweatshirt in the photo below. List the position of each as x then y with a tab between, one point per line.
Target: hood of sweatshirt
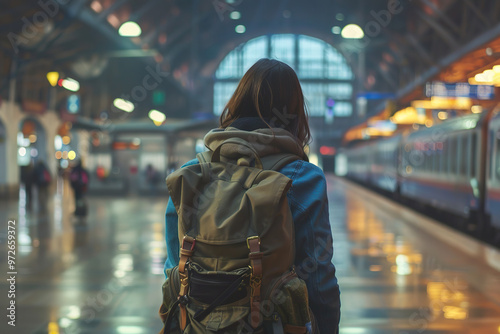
264	141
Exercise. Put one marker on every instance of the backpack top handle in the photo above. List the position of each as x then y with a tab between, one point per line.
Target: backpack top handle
240	142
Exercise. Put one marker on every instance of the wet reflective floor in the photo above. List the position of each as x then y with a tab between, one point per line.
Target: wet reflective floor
399	273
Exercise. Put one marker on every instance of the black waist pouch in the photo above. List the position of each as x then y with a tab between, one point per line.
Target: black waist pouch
206	286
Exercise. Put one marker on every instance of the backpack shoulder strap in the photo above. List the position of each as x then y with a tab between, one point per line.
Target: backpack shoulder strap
277	161
204	157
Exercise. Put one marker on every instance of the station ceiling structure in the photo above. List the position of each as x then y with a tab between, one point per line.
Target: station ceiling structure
181	43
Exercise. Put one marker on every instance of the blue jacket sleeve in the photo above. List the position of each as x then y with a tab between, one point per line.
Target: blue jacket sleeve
313	241
171	236
172	231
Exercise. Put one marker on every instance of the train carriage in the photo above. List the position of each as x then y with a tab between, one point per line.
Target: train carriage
492	203
440	166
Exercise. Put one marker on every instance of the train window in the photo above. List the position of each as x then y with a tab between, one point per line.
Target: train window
428	161
496	157
434	158
441	154
464	149
472	159
452	155
445	157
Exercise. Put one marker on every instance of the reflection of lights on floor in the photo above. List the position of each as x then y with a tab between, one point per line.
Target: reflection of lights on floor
73	312
454	312
65	322
124	262
53	328
119	273
130	330
403	267
353	330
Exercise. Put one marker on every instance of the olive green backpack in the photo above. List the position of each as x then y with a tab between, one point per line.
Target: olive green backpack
237	247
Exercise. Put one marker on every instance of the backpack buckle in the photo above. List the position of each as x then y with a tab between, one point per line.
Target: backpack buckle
252	238
188	240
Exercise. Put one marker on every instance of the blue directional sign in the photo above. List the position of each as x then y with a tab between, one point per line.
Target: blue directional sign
460	89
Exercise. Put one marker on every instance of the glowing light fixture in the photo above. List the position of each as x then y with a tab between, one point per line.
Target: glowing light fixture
476	109
442	115
489	77
69	84
235	15
71	155
130	29
352	31
408	116
459	103
336	30
240	29
96	6
157	117
124	105
22	151
53	77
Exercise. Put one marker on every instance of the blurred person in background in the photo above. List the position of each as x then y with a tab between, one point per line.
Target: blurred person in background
27	178
79	179
42	179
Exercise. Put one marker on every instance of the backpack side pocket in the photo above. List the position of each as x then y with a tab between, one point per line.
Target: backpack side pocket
170	291
290	299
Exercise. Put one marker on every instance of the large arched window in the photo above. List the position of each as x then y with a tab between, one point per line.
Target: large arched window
322	70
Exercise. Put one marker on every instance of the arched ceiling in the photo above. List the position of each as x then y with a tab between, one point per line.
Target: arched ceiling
188	38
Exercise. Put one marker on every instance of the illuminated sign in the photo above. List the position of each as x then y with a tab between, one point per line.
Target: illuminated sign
461	89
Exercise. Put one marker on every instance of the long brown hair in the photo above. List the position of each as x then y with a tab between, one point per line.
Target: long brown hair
270	90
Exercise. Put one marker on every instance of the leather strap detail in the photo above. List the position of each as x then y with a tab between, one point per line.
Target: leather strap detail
183	323
289	329
255	280
186	252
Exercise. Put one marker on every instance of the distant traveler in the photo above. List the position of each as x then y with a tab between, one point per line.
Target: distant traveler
28	178
248	216
79	179
42	179
152	176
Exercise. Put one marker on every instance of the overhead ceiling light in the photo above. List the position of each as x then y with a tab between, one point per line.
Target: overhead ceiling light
339	17
442	115
96	6
113	20
336	30
353	31
53	77
69	84
124	105
235	15
476	109
157	117
130	29
240	29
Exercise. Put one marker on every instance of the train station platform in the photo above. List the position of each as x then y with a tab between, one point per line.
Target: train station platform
399	272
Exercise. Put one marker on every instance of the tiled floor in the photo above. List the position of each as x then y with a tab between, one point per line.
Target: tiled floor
104	275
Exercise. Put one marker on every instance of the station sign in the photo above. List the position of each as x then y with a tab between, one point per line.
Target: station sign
460	89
